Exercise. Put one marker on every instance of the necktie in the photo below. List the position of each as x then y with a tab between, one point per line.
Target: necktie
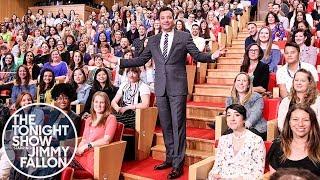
165	46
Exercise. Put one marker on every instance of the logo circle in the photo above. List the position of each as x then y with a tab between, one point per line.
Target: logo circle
37	144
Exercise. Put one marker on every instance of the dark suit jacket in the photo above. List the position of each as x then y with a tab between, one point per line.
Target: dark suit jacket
171	75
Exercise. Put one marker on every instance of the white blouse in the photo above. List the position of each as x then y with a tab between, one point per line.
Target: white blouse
248	163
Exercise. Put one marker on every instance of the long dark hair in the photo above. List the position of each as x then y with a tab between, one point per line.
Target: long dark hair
28	76
72	64
73	83
246	60
276	18
305	34
25	56
96	85
313	142
42	84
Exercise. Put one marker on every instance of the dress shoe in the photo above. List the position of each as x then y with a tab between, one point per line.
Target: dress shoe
175	173
163	165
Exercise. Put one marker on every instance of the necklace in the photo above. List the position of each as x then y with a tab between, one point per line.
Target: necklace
299	67
239	137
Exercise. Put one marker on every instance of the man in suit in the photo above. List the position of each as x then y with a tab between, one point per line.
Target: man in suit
169	50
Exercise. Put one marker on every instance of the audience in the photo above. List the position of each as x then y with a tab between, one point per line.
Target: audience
308	53
243	94
271	51
45	86
286	73
299	143
100	127
131	95
303	91
241	154
257	70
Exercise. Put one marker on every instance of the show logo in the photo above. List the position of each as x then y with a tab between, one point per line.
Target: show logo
39	140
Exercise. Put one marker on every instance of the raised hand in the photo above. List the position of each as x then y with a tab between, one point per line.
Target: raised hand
111	58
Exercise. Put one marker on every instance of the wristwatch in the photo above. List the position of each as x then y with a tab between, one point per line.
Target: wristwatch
89	145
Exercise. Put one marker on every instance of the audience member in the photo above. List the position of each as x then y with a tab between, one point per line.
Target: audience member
285	74
299	143
241	154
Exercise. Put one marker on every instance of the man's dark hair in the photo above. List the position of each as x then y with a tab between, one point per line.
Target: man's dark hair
165	8
252	24
65	89
292	44
195	25
276	4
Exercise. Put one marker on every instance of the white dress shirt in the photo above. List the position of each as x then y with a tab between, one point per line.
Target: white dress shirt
170	40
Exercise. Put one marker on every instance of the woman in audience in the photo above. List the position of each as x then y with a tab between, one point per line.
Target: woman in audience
257	70
156	28
299	143
116	38
101	82
46	84
271	51
241	154
308	53
277	30
52	42
44	55
64	54
305	26
8	72
83	50
23	82
301	8
33	68
243	94
300	17
205	31
59	67
131	95
303	91
21	53
121	74
100	127
180	26
24	99
78	82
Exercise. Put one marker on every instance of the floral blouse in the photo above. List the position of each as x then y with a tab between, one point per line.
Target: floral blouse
248	163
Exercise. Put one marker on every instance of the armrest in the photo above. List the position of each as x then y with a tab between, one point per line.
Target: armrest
145	124
79	108
108	160
220	126
272	131
201	169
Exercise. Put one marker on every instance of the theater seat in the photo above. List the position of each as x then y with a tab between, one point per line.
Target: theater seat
270	114
272	81
107	160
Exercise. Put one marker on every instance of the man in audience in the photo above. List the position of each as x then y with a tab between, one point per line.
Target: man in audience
124	44
253	31
198	41
223	18
133	33
284	20
286	73
138	42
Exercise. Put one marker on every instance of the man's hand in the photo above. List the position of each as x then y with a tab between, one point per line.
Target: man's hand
111	58
219	53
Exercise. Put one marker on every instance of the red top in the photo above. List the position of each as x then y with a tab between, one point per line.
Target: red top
93	133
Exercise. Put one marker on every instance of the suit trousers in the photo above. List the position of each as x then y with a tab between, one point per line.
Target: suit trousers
172	113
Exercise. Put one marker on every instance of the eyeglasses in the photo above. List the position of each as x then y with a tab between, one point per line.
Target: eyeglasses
61	98
253	50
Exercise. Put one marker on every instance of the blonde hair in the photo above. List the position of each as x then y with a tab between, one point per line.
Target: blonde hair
107	110
235	94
